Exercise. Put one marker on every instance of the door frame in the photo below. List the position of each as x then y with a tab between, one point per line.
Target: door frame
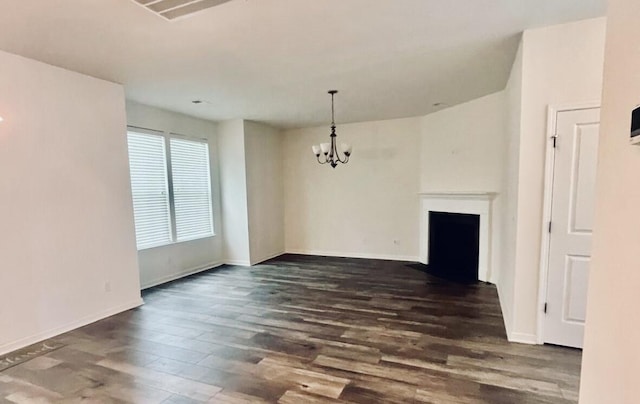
549	171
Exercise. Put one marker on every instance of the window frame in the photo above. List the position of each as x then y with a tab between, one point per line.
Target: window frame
167	136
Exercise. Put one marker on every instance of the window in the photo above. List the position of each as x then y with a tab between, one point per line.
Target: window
149	187
171	188
191	189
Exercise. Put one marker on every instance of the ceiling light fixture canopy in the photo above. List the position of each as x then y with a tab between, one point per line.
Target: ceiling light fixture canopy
329	150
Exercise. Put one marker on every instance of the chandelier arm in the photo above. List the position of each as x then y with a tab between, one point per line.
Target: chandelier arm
337	153
338	157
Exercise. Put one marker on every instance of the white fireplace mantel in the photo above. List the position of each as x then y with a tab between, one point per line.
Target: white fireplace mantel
474	203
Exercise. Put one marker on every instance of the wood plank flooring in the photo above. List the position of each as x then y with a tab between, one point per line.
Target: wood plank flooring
301	330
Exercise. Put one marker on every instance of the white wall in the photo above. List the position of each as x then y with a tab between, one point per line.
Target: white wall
370	207
165	263
366	208
463	149
561	64
233	189
252	189
265	191
611	358
507	254
65	202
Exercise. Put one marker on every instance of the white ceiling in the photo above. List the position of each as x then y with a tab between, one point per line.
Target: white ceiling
274	60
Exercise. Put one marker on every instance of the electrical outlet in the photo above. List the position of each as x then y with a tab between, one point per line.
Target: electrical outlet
107	286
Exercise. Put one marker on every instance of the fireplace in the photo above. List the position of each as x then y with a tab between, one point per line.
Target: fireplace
454	246
476	204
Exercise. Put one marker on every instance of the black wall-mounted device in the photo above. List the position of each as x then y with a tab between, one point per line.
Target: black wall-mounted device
635	124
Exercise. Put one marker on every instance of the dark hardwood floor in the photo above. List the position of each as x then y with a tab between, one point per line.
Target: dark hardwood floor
301	330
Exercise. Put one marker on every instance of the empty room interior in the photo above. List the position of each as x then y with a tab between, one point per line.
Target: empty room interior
305	201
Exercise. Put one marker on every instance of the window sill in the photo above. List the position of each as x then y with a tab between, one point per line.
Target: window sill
173	243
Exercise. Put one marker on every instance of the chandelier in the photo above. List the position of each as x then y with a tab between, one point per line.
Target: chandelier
329	150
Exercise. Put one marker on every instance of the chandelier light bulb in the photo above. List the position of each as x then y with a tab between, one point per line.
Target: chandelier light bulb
316	150
346	149
326	147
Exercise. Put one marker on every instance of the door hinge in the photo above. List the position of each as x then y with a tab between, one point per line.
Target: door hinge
545	308
549	227
555	141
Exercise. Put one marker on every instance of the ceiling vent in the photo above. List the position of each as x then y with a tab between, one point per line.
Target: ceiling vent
173	9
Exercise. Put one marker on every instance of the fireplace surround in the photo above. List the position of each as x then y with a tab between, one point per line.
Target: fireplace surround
472	203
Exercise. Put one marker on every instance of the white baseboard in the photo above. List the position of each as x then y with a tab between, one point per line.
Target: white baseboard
248	263
41	336
240	263
386	257
267	258
187	272
513	336
523	338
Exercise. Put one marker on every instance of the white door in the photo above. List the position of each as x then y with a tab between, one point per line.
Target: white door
572	209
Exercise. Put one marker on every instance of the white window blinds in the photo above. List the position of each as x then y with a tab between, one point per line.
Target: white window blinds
171	188
147	159
191	189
